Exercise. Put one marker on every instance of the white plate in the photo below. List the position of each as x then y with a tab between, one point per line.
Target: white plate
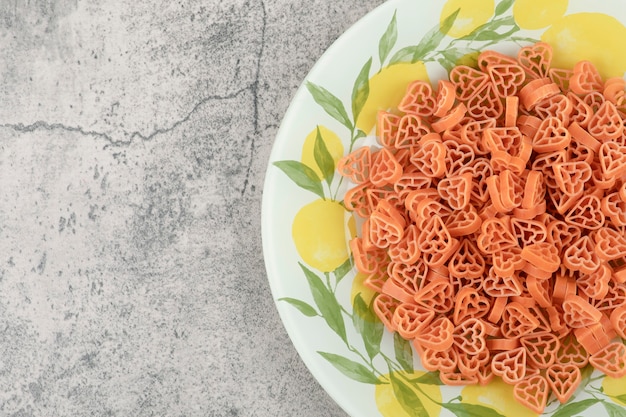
301	300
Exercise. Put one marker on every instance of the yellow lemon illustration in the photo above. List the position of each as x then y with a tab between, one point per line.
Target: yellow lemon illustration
319	235
358	288
470	59
387	89
472	13
332	142
389	406
591	36
614	388
537	14
497	395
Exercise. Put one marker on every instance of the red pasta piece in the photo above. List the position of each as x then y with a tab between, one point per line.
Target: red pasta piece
558	105
485	104
586	213
463	222
457	378
609	243
571	177
596	284
356	165
561	77
445	98
406	250
612	160
542	255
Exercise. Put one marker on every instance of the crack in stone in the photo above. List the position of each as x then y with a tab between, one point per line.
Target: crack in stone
254	87
43	125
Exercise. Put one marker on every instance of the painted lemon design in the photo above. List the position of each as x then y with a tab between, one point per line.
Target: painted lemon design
470	59
497	395
332	142
387	88
588	36
615	388
388	405
319	235
472	13
537	14
367	294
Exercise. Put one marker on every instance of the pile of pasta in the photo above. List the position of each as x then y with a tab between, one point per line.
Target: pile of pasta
494	223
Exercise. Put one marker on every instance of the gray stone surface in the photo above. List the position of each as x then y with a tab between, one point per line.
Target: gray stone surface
134	137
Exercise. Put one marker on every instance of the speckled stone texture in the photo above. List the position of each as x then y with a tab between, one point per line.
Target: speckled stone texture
134	137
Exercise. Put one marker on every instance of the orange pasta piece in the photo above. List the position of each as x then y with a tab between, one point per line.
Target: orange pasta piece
611	360
438	336
578	312
430	158
535	59
467	81
444	361
506	78
419	99
618	320
585	78
384	169
563	379
456	190
551	136
446	97
437	295
411	130
532	392
411	319
469	337
469	304
542	255
541	349
510	365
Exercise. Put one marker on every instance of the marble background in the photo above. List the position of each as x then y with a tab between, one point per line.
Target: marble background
134	137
